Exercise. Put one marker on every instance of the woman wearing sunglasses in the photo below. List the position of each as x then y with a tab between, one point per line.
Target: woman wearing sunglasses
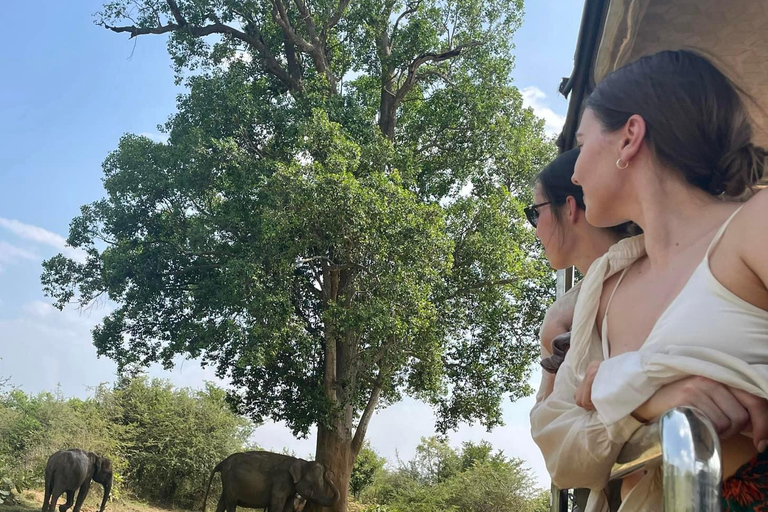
558	215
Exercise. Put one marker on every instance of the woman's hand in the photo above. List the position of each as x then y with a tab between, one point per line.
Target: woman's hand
560	346
583	394
730	410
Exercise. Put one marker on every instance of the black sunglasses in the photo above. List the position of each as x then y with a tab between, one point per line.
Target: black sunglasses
532	212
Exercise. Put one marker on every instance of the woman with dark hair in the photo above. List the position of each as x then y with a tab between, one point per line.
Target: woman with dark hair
679	315
569	240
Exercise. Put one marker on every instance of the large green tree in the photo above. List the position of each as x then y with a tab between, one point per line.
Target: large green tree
335	220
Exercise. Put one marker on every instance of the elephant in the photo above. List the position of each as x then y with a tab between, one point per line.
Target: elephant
70	470
262	479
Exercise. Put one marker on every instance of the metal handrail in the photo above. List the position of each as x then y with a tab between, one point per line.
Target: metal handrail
685	444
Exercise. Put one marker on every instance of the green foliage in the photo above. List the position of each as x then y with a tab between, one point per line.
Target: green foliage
440	478
367	464
434	463
308	205
540	503
162	441
175	437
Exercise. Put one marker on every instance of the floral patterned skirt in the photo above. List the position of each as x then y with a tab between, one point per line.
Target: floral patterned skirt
747	489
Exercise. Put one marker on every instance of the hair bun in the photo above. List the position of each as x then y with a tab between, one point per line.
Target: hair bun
739	170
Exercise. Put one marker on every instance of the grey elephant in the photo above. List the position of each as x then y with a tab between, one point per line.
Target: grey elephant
264	479
70	470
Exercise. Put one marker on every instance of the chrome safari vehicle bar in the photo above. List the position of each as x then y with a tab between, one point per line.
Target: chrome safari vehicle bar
685	444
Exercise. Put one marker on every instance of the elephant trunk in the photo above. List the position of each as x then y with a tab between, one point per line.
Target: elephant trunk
328	501
107	489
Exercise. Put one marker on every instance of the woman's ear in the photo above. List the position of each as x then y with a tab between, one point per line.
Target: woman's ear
632	137
573	209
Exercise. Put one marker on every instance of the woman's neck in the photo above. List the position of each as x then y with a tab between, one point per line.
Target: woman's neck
673	216
596	243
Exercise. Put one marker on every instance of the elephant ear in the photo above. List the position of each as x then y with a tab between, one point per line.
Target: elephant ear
95	461
296	470
97	465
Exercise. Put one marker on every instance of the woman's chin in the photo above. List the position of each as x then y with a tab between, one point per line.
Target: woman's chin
555	263
602	221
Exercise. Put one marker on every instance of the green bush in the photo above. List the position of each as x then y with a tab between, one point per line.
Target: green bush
163	442
174	438
440	478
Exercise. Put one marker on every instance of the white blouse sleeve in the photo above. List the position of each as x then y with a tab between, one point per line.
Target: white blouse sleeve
578	448
623	383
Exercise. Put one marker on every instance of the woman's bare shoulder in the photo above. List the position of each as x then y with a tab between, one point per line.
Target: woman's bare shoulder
750	234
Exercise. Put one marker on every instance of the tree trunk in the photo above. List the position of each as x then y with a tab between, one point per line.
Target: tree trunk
334	450
387	112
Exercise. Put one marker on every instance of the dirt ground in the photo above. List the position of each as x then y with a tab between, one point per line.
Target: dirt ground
32	501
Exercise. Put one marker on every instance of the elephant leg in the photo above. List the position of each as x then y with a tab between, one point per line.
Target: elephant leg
55	495
48	491
221	505
288	505
70	501
278	502
81	495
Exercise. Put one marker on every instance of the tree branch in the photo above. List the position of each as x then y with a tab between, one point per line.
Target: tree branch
407	12
294	65
336	17
311	329
140	31
280	15
308	22
315	48
271	64
424	58
176	12
317	258
365	419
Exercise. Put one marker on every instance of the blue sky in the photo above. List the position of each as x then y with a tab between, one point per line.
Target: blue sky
68	91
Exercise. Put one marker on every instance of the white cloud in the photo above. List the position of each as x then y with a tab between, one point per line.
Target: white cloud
43	348
42	236
534	97
10	254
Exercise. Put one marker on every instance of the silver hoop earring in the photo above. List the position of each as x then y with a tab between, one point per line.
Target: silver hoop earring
619	162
